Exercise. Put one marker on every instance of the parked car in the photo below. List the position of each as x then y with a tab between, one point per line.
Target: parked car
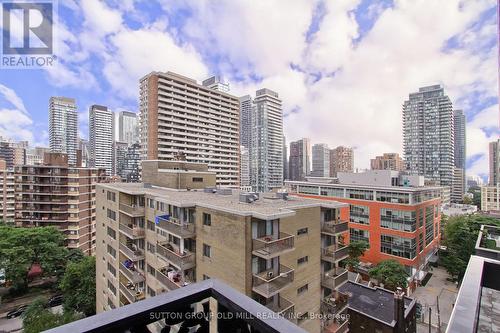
16	312
55	301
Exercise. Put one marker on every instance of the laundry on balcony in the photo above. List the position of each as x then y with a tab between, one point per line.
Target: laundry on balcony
165	217
129	264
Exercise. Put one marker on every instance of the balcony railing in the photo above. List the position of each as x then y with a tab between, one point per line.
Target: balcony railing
268	247
132	275
283	307
269	283
131	294
242	313
170	283
132	254
334	253
334	305
183	260
174	226
132	210
334	227
132	232
334	278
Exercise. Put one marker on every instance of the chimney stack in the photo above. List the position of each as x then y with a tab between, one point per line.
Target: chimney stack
399	310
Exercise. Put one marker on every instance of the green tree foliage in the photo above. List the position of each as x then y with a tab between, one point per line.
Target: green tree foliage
20	248
78	286
38	318
460	236
356	250
476	195
391	273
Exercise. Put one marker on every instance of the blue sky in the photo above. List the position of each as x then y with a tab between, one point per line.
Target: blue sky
342	67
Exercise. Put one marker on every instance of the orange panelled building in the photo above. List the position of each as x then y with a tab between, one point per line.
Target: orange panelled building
398	222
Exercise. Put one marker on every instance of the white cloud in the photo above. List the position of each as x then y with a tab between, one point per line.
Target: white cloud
15	123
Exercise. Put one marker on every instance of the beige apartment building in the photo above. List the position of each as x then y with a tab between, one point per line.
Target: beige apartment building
490	198
56	194
341	160
282	251
176	114
7	201
388	161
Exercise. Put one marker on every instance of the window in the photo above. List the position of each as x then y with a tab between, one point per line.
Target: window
429	224
359	214
398	246
359	194
151	203
302	289
302	231
305	189
111	233
150	247
393	197
359	235
111	196
151	270
398	219
329	214
151	225
332	192
111	251
111	214
111	269
206	277
111	287
151	291
207	219
197	179
302	261
207	250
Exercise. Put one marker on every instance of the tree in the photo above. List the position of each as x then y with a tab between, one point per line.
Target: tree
356	250
460	236
20	248
391	273
78	286
468	200
38	318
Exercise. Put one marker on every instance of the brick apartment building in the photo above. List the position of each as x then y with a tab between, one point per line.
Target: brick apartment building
157	236
395	214
56	194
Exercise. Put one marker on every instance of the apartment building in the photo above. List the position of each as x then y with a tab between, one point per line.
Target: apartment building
179	115
395	214
494	162
57	194
101	137
128	129
341	160
490	198
7	203
388	161
63	127
320	160
299	163
282	251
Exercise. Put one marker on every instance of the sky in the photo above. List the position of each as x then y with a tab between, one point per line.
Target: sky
343	68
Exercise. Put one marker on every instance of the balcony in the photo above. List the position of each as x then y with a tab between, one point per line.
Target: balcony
132	210
283	307
131	274
174	226
334	305
334	278
334	253
132	231
336	325
131	253
172	280
269	283
241	313
268	247
130	293
334	227
168	252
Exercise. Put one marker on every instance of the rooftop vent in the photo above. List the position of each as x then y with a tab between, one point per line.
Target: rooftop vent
209	190
248	197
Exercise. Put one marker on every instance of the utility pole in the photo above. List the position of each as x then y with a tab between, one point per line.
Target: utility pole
430	317
439	315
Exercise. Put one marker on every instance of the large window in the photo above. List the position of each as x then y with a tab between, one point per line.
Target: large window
359	235
332	192
305	189
359	214
398	219
111	214
359	194
398	246
394	197
429	224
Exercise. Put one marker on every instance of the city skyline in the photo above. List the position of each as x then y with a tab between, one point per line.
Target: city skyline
453	58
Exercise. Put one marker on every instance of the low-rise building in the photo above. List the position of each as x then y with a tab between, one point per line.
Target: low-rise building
397	216
490	198
176	229
453	209
56	194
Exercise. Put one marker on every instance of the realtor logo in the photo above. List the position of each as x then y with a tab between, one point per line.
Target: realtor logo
27	34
